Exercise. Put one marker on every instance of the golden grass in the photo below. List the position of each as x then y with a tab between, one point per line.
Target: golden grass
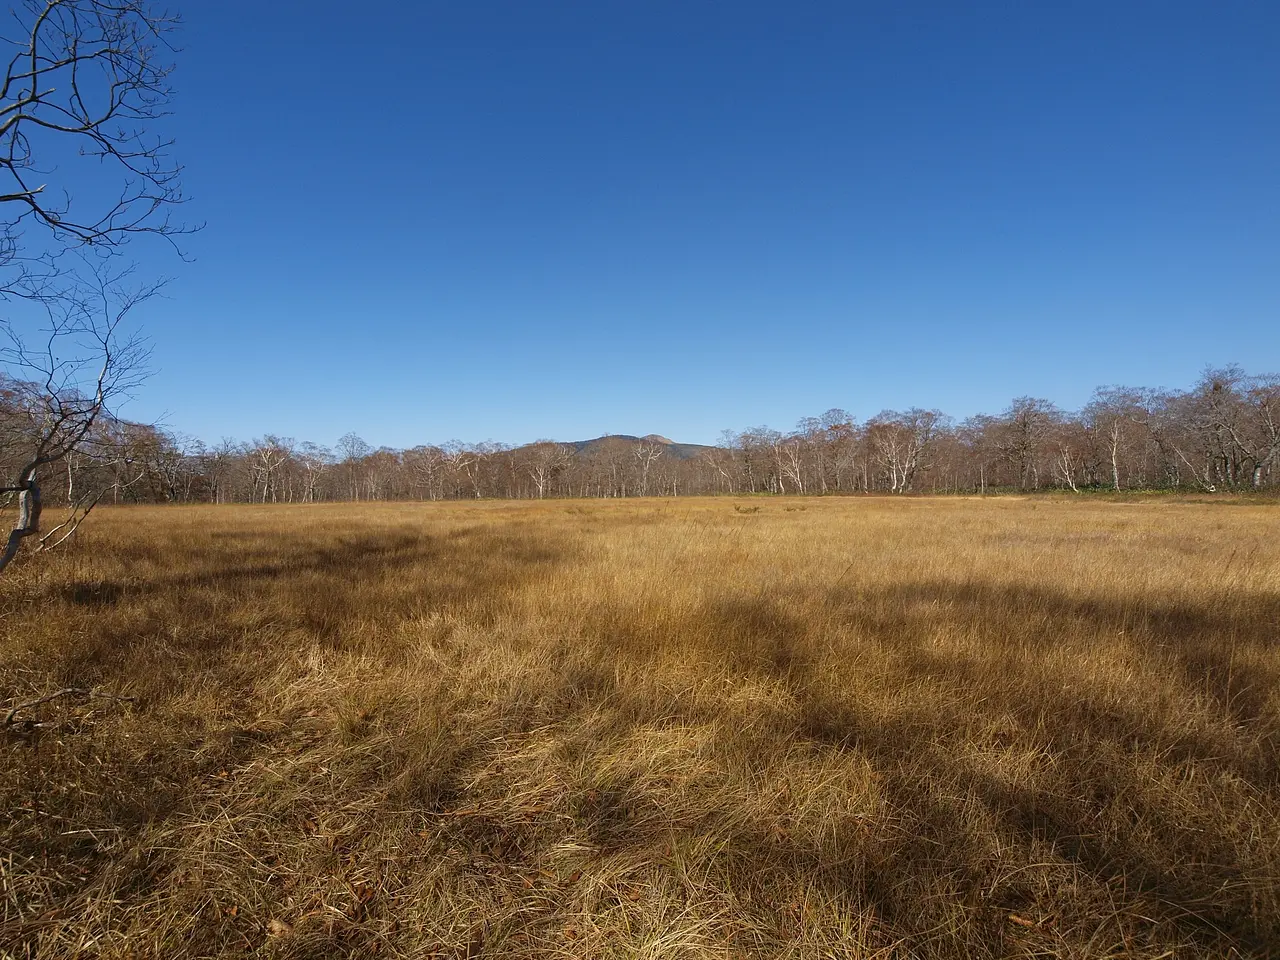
819	728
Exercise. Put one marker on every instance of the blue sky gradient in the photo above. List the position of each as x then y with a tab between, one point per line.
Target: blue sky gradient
510	220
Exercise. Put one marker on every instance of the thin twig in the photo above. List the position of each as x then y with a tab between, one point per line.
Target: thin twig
11	716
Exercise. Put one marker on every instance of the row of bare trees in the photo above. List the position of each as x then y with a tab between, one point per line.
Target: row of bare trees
1221	435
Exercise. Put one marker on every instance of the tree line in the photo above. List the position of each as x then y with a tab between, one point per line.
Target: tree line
1222	434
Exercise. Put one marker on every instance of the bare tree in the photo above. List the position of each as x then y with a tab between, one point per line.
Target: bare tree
791	460
840	432
761	451
353	450
462	461
544	462
1262	403
647	452
66	381
1027	424
1240	416
314	460
425	465
93	74
902	442
84	82
270	455
379	466
1072	463
1112	413
170	462
218	466
721	460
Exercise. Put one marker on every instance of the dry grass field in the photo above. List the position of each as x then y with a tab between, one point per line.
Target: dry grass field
697	728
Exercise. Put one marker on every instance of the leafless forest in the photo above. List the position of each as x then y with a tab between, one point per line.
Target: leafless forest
1222	434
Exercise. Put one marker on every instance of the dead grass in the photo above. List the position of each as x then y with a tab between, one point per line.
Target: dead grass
824	728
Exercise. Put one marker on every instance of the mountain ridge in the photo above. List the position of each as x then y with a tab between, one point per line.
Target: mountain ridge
681	451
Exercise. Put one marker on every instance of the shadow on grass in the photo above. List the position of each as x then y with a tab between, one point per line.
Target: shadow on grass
236	594
1202	643
457	565
1096	808
196	644
1162	875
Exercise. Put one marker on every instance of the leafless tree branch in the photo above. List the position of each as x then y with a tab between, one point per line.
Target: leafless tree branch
11	717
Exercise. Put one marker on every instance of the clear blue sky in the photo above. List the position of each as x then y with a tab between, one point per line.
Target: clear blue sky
518	220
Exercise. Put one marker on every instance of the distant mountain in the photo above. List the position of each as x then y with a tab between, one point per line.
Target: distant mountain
681	451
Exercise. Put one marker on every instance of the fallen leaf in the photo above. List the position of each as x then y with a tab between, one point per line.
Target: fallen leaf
279	928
